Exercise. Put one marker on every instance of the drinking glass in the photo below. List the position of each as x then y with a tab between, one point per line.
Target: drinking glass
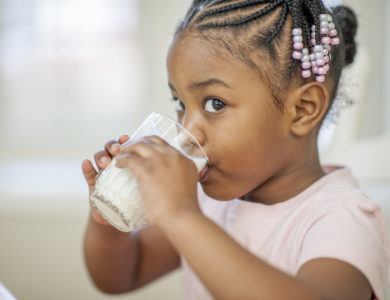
115	194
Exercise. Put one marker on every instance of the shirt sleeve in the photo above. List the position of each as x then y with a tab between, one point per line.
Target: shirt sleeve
354	233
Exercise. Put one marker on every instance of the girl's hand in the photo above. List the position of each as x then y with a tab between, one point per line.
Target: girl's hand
167	179
102	158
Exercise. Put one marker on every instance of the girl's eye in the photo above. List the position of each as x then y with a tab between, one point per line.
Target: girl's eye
213	105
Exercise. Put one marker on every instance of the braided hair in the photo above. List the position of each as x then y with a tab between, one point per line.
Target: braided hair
260	31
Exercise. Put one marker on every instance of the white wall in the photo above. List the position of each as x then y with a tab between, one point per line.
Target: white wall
372	37
387	68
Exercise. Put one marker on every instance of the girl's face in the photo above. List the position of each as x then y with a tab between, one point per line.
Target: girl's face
230	110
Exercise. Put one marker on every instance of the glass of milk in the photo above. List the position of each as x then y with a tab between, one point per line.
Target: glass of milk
116	196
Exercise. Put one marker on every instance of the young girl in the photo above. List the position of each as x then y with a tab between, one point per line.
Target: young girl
253	81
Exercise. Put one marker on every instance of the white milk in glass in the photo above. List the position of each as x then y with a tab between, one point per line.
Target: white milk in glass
117	199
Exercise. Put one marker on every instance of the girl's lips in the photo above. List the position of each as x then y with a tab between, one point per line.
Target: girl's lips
203	173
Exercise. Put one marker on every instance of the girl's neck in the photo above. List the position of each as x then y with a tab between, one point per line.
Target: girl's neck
289	182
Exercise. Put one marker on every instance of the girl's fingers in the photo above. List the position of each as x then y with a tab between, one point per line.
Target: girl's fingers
102	159
160	144
156	139
143	148
89	173
146	146
130	160
123	139
112	147
104	156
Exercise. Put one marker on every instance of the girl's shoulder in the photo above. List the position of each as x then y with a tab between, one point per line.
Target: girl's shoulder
338	190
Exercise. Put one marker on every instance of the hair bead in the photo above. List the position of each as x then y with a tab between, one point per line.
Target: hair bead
306	65
332	32
298	46
325	40
335	41
297	39
306	73
305	58
297	55
318	58
297	31
324	30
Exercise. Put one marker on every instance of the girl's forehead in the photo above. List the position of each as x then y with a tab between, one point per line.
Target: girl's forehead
194	63
200	56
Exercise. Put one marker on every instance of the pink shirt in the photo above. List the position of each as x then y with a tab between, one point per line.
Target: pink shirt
332	218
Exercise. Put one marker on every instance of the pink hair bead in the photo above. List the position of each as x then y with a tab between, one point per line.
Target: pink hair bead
306	65
335	41
326	67
315	70
321	71
297	55
320	78
333	32
298	46
313	41
325	40
324	30
326	58
306	73
320	62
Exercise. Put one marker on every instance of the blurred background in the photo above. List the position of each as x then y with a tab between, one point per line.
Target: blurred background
75	73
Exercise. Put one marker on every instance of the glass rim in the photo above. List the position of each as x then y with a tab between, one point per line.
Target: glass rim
184	129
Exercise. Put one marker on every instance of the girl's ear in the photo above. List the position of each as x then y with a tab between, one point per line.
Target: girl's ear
306	106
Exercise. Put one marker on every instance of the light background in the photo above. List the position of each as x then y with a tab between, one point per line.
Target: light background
75	73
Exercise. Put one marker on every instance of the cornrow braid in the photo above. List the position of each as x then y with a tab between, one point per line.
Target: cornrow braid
315	18
240	21
280	24
294	8
229	8
222	1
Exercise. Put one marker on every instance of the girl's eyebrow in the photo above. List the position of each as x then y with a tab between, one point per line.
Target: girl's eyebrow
202	84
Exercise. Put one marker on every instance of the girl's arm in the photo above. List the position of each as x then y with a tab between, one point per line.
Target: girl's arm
120	262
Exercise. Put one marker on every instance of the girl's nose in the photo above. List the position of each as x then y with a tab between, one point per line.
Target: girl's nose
193	126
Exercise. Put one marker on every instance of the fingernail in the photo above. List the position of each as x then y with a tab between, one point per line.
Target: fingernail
104	160
114	147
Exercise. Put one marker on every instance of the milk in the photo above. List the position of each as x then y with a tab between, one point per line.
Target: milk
116	196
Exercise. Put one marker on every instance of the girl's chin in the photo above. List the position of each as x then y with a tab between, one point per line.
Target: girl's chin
217	192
